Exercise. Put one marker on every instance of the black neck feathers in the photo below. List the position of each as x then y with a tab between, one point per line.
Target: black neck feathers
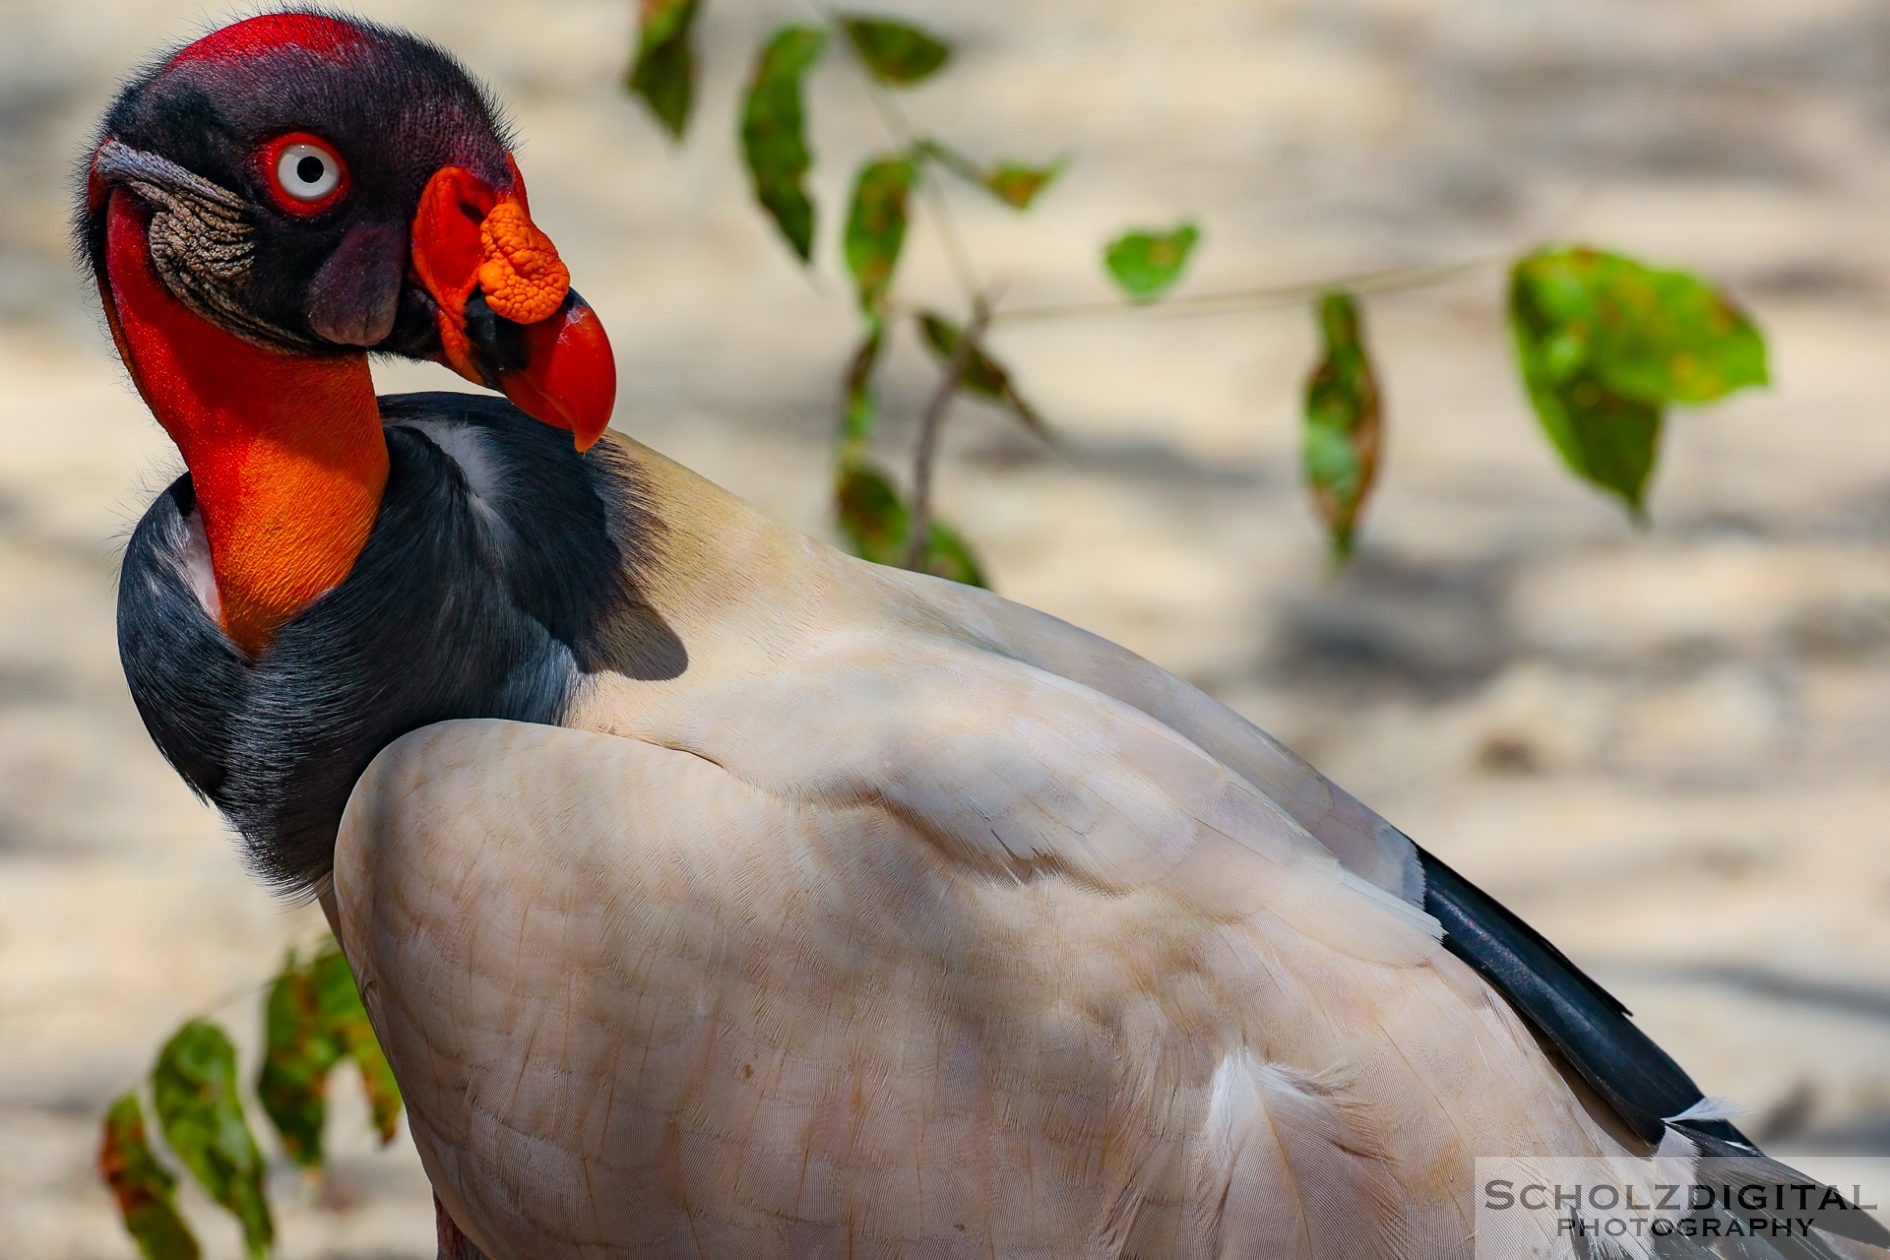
502	568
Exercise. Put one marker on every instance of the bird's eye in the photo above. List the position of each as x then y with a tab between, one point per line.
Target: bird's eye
304	174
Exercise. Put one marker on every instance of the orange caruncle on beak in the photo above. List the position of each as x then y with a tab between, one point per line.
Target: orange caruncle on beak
556	364
523	277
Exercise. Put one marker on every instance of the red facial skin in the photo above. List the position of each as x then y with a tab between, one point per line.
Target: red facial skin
287	457
285	451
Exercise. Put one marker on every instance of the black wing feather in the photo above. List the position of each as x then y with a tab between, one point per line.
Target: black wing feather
1586	1023
1590	1028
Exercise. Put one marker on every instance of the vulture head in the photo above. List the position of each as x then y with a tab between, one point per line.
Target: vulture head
322	187
264	208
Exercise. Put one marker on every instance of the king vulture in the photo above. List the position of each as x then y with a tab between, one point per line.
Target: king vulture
717	893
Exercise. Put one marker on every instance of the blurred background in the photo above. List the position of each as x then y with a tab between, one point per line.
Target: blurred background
1669	749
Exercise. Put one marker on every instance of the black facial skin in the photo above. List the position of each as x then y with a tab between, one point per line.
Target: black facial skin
442	617
212	117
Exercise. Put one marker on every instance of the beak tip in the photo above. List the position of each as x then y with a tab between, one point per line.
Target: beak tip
569	379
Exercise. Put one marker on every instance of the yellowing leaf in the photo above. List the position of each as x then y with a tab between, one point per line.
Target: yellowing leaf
346	1020
774	126
876	227
860	409
1655	335
145	1191
664	71
299	1051
1147	263
1344	431
983	375
1016	184
193	1087
1605	343
895	53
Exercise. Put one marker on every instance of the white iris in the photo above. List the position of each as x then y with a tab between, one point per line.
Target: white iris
306	172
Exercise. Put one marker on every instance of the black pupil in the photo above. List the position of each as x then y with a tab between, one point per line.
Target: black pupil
310	169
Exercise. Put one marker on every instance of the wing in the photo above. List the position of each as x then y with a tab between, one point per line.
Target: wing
1585	1023
1590	1028
967	956
1363	841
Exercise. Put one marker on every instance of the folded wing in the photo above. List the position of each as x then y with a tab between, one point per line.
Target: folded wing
968	954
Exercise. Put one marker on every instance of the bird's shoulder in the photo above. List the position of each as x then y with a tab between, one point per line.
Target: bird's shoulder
982	764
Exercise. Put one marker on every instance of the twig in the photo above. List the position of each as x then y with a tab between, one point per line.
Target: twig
901	130
1269	297
252	988
1259	298
931	426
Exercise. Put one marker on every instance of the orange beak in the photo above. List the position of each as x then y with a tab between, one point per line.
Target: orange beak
543	346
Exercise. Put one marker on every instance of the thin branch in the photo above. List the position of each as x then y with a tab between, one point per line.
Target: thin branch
956	254
1269	297
902	132
955	251
252	988
932	426
1258	298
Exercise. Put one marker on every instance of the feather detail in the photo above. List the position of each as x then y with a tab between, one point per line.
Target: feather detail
1288	1166
1709	1109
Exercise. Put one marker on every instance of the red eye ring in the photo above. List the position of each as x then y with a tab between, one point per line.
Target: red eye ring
303	173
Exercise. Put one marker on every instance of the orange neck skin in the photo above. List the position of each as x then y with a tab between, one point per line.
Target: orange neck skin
285	452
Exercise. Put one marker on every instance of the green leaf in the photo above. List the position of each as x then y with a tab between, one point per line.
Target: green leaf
1344	430
861	410
1147	263
876	227
346	1020
664	72
299	1051
145	1190
876	521
313	1019
894	52
1604	343
193	1086
1654	335
983	375
774	139
1604	437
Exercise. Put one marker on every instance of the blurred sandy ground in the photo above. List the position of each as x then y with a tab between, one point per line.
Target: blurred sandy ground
1668	750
